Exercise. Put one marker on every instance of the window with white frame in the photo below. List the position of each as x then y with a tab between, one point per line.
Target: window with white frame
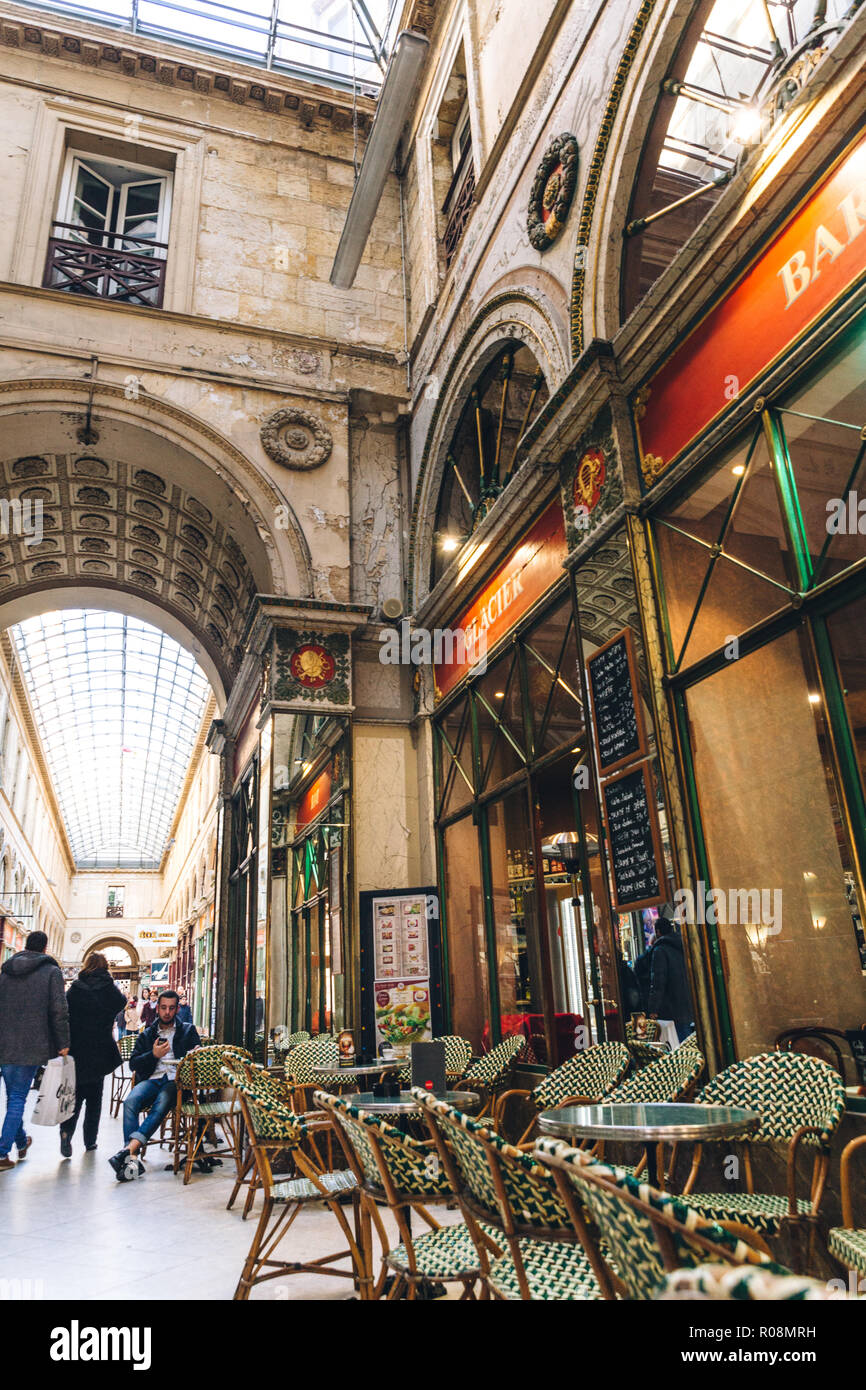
110	237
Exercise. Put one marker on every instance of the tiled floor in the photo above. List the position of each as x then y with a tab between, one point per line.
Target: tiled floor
68	1229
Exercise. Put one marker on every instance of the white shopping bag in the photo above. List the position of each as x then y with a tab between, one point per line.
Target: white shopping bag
56	1100
668	1033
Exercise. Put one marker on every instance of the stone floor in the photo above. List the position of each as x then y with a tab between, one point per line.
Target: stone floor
69	1230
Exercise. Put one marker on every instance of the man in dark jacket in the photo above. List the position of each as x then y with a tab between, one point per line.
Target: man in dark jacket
34	1027
157	1051
93	1001
669	995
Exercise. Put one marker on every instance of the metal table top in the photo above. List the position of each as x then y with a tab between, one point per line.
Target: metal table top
362	1068
645	1123
404	1104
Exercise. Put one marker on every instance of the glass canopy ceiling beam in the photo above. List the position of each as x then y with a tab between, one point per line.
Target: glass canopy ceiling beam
339	42
118	706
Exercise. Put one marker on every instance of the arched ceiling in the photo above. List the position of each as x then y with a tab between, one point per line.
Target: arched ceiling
131	513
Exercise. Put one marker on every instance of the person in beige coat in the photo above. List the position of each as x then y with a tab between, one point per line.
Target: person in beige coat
132	1015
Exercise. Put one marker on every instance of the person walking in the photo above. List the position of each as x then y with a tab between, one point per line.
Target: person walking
184	1012
669	993
34	1027
148	1008
92	1000
132	1015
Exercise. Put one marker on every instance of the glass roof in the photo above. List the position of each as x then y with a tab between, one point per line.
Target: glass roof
118	706
339	42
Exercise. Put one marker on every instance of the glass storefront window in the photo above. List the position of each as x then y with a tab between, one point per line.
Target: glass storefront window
516	919
467	942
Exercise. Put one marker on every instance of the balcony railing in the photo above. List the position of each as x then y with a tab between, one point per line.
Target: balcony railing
459	204
113	265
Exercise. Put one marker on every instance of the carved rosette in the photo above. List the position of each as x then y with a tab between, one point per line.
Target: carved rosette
552	191
296	439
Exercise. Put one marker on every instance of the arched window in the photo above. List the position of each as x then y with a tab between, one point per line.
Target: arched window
732	78
483	453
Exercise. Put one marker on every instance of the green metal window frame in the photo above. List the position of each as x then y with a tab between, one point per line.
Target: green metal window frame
483	794
809	604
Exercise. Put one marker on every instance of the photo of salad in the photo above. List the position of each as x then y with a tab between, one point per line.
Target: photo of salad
403	1014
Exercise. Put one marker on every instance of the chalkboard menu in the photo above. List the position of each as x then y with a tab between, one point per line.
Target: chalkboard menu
618	725
633	839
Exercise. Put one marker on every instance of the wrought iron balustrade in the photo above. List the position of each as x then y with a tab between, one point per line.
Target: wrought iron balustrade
459	204
113	265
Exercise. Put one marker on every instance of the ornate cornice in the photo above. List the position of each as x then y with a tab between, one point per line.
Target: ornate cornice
186	69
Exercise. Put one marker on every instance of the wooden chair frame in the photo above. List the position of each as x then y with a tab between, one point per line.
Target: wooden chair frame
190	1131
401	1206
260	1264
504	1218
664	1227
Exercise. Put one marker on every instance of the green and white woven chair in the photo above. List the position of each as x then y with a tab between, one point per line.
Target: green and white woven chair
672	1076
489	1074
121	1077
458	1055
508	1198
299	1064
284	1041
647	1233
746	1283
801	1101
406	1175
274	1129
201	1106
848	1242
586	1077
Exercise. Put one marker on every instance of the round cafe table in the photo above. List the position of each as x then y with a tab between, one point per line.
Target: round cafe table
361	1069
665	1122
405	1104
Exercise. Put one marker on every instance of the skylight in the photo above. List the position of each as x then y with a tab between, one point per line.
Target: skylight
340	42
118	707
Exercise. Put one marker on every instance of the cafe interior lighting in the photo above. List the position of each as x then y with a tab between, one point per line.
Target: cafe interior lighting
814	698
738	470
392	111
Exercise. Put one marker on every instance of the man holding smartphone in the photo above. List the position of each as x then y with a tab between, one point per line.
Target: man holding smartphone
158	1050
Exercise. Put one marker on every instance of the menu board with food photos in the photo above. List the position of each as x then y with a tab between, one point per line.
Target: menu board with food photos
400	938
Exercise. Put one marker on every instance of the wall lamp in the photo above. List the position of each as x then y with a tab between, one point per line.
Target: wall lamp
392	112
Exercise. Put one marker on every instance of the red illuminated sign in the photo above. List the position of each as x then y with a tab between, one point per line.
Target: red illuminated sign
820	253
531	568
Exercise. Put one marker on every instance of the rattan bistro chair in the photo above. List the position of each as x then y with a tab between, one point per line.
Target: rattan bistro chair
274	1129
299	1064
801	1101
647	1233
848	1242
586	1077
746	1284
121	1077
507	1197
404	1174
671	1077
489	1074
202	1106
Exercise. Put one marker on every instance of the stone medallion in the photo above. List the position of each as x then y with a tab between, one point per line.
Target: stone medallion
296	439
552	191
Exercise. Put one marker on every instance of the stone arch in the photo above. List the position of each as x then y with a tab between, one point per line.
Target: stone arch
159	507
656	29
509	316
121	943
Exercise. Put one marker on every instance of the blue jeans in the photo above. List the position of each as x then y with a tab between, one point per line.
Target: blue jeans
18	1082
157	1098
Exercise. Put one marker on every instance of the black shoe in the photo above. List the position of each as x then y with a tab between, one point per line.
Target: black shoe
65	1145
127	1166
117	1160
89	1148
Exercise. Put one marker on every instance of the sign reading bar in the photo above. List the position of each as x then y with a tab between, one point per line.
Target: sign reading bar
634	842
617	714
820	253
530	570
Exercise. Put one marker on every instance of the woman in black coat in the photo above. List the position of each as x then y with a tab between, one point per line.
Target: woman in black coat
93	1001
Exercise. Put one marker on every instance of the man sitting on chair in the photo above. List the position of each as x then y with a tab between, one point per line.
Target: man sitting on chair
158	1050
